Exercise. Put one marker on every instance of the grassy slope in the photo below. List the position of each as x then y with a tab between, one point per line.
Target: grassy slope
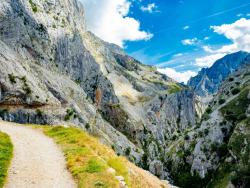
6	152
89	161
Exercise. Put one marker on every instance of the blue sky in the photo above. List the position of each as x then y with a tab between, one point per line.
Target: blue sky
181	39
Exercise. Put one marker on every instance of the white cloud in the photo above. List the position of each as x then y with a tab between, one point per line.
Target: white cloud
189	42
150	8
178	76
209	60
237	32
109	20
186	27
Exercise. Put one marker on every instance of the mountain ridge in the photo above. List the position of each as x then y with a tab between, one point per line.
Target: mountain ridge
53	71
208	79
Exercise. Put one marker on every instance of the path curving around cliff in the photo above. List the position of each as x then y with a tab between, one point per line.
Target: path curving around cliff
37	161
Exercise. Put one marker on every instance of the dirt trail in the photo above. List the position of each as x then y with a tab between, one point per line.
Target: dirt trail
37	161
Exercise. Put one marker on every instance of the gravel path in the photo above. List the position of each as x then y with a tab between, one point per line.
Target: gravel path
37	161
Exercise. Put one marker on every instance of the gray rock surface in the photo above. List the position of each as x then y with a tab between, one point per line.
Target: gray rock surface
53	71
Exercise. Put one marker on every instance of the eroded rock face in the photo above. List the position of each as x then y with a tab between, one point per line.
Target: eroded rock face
53	71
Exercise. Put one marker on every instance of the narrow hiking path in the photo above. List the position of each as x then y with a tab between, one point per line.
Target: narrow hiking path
37	161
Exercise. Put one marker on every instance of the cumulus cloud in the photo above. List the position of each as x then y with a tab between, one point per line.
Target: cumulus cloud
150	8
178	76
239	35
109	20
238	32
189	42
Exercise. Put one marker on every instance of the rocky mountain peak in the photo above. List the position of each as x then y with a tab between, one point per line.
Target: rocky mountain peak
208	80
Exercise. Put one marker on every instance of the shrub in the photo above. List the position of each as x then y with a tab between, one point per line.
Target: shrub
69	114
39	112
200	133
214	147
87	126
3	111
222	101
206	131
237	83
186	137
224	130
33	6
127	151
235	91
205	116
27	89
12	78
222	150
78	81
41	28
209	110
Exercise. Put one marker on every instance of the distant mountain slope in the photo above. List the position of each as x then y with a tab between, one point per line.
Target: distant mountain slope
218	148
208	79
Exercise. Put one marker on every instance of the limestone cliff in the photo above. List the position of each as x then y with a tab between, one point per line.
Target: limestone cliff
53	71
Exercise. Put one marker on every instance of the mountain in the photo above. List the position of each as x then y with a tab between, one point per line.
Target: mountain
208	79
53	71
218	148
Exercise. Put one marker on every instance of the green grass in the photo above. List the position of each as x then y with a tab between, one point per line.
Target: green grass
119	166
173	88
87	159
6	153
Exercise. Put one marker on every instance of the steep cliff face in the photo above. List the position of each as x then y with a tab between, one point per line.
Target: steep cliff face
53	71
208	80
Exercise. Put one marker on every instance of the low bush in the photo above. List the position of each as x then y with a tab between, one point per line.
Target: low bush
235	91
